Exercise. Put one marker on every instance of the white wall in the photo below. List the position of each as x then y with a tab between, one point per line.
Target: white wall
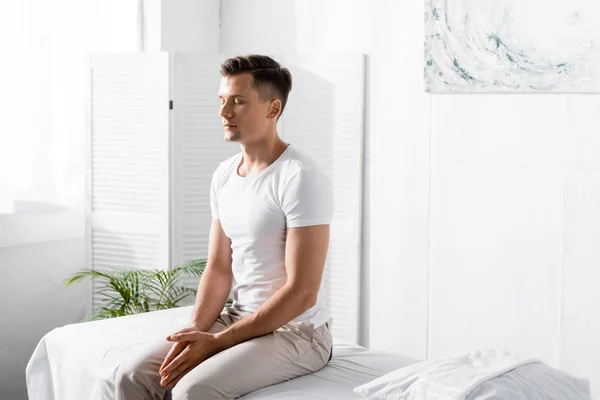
481	212
42	216
35	301
189	25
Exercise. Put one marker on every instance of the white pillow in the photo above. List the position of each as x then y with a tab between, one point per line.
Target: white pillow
534	381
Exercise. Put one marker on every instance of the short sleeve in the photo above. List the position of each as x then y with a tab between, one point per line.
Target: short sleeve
214	204
308	199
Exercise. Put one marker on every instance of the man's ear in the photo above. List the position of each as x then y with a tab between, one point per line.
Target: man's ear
275	108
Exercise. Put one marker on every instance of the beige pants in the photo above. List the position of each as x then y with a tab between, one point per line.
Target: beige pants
291	351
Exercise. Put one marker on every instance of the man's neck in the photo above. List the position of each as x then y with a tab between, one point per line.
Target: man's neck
258	156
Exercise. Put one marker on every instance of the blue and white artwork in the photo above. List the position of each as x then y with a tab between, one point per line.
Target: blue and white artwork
512	46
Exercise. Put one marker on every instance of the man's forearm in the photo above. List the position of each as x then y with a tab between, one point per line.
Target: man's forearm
213	291
285	305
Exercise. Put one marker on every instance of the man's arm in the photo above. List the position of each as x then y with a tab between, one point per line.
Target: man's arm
305	255
215	284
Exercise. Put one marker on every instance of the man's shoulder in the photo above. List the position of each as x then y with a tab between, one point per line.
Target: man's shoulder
225	167
302	171
228	163
298	161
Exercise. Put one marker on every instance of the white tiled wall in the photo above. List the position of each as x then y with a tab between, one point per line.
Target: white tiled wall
495	260
496	223
515	227
580	349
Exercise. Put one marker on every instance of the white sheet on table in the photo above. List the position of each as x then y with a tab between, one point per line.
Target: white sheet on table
79	361
76	361
350	366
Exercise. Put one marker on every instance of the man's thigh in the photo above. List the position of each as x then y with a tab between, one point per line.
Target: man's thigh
151	357
257	363
140	373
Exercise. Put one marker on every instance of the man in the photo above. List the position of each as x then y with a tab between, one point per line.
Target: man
271	209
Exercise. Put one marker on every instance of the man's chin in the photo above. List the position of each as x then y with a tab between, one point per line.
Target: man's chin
232	139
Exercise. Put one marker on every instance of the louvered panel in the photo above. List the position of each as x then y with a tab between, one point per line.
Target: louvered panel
198	148
129	161
324	117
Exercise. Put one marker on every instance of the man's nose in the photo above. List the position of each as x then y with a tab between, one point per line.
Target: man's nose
226	111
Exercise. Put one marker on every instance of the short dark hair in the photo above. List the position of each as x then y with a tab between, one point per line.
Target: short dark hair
271	79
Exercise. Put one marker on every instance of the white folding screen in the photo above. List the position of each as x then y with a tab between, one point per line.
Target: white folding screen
162	215
128	162
324	117
197	149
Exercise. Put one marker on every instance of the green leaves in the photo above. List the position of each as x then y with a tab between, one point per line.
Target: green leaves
127	292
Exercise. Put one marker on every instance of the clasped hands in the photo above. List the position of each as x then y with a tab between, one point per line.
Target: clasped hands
192	347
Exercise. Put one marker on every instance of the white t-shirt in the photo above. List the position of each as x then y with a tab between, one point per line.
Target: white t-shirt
255	212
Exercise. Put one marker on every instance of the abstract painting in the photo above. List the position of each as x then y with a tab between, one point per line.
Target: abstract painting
512	46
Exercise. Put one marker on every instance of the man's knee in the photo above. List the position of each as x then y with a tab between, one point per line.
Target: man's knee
130	378
198	390
126	375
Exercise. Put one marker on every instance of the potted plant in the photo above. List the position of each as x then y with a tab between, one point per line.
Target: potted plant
127	292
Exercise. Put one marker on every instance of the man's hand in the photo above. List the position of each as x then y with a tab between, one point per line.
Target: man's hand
197	347
177	347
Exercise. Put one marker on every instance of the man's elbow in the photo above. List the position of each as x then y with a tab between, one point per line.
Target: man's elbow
309	299
304	298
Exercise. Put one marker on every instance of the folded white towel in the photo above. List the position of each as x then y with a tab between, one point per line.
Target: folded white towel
454	378
447	378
